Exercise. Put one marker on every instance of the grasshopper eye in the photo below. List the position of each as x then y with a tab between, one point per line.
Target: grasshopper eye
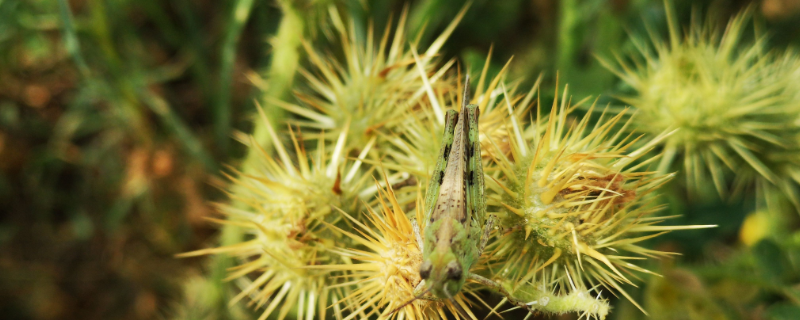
425	269
453	270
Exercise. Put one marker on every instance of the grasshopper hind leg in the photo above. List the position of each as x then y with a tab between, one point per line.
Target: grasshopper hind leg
487	229
417	234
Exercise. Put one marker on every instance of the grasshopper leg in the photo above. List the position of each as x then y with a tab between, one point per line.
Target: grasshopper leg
420	293
417	234
487	229
496	287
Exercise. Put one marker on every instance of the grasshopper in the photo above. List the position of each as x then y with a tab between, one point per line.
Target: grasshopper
456	206
457	228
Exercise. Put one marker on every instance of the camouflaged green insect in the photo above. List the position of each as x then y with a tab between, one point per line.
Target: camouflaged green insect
457	227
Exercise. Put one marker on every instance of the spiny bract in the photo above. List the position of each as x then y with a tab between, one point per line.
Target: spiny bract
572	198
372	86
284	208
387	268
736	105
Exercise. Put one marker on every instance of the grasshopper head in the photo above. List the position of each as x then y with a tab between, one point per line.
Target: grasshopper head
443	273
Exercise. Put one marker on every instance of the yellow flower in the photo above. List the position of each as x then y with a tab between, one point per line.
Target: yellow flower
755	227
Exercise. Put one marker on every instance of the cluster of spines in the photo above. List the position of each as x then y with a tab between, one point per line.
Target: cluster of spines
346	247
573	198
735	104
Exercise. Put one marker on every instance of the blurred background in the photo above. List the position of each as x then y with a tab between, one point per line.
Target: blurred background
116	118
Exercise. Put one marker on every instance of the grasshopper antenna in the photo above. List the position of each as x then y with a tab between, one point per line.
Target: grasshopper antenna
465	98
410	301
458	307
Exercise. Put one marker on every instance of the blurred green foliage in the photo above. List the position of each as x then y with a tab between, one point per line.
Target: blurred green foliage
116	117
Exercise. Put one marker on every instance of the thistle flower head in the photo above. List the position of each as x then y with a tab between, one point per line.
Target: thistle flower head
573	199
284	206
371	86
735	104
387	268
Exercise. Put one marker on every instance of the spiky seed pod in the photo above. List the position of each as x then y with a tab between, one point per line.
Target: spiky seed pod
368	89
572	199
736	105
284	211
386	268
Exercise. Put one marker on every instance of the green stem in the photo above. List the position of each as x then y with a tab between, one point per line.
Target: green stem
496	287
567	26
285	60
222	107
71	38
531	298
119	80
193	36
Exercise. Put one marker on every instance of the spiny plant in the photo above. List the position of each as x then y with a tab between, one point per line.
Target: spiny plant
389	257
371	86
287	204
735	103
569	201
570	197
572	200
